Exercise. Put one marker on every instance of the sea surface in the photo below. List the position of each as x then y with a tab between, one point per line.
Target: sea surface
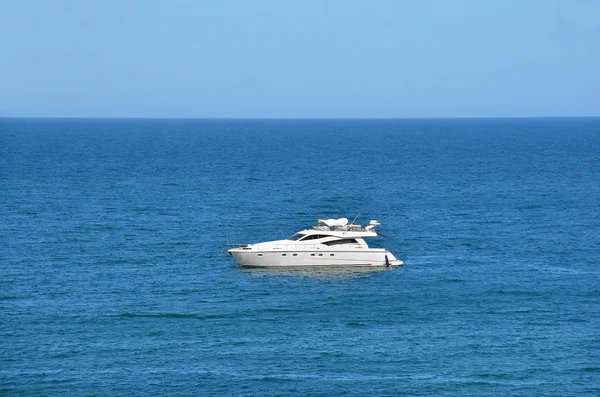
114	280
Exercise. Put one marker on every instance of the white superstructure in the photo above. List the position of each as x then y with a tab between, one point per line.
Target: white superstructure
333	242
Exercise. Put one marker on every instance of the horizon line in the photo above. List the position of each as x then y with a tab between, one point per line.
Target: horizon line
292	118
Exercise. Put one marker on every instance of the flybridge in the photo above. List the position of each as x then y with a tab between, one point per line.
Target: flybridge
341	224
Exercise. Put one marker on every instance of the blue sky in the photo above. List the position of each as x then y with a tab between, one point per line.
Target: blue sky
293	58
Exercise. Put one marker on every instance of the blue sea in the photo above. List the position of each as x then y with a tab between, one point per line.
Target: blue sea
114	280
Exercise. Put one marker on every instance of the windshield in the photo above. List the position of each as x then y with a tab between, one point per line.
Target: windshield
296	236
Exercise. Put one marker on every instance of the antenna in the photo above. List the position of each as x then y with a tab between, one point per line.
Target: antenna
352	223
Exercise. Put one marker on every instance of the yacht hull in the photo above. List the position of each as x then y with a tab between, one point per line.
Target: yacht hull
315	258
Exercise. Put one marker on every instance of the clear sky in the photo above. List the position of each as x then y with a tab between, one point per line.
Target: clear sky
299	58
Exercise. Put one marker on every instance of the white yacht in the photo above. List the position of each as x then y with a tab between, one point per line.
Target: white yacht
333	242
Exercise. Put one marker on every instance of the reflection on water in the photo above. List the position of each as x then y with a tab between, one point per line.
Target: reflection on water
317	272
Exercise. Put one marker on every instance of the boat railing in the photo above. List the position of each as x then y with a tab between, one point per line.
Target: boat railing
346	228
237	245
304	247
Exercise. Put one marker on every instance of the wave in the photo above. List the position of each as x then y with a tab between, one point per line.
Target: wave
174	315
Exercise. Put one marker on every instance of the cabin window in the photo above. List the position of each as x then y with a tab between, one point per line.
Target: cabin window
331	254
295	254
314	237
283	254
343	241
312	254
320	254
297	236
259	254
